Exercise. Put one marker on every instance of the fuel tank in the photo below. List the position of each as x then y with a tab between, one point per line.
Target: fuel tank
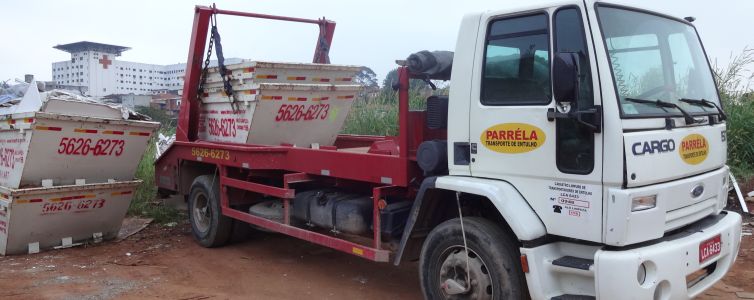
340	211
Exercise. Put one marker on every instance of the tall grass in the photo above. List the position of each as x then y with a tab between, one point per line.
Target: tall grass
144	203
734	83
740	136
379	115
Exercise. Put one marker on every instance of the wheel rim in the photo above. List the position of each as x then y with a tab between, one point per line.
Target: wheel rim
202	212
454	268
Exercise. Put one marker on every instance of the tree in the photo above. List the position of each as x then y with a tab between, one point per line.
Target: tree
392	78
367	78
156	115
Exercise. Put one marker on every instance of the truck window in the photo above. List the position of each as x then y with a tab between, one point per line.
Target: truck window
656	58
517	62
574	142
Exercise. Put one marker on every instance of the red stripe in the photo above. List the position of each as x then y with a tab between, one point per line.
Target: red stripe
54	128
301	99
35	200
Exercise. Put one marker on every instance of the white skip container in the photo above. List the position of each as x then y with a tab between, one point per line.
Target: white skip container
40	148
278	103
35	219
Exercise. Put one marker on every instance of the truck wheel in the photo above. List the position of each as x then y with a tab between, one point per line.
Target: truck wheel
210	227
494	269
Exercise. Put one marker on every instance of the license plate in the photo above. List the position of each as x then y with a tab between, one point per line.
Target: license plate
710	248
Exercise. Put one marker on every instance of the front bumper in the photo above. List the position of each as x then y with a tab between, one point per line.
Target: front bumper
669	262
614	273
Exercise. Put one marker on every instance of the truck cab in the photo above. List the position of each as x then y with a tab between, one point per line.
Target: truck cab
607	121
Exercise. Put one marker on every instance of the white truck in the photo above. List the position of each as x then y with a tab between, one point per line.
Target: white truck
580	154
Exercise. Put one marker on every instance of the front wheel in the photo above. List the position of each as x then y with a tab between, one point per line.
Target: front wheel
490	270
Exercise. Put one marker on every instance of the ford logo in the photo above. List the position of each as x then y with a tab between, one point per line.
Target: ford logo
697	191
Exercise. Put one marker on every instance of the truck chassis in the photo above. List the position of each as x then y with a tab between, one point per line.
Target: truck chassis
388	168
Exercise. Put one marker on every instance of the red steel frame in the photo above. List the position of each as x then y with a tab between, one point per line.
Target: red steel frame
388	174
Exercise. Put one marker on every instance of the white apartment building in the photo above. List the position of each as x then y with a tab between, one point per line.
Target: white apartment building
94	66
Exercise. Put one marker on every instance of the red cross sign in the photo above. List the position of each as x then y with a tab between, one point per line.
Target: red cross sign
105	62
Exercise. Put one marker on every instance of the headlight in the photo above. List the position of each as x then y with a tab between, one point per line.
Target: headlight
643	202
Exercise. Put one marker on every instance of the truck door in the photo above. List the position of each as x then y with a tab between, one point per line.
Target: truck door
556	164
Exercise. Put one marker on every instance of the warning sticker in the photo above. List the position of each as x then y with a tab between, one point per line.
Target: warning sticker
572	199
694	149
513	138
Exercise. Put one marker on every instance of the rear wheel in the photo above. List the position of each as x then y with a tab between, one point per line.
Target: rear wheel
210	227
490	270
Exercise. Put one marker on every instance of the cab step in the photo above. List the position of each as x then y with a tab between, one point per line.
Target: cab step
573	297
574	262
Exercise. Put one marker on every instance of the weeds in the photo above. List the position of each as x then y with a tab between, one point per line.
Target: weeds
379	115
734	83
144	203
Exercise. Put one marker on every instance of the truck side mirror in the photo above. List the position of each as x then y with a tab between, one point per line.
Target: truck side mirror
565	77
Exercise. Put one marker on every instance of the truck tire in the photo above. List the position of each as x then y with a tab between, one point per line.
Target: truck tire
494	262
210	227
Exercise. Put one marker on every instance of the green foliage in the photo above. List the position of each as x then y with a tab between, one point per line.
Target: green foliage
734	83
392	77
740	135
379	116
367	78
156	115
144	203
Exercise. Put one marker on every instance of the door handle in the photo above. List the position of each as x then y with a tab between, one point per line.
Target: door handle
591	118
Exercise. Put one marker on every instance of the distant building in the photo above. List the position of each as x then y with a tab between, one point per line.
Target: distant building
94	66
129	100
168	102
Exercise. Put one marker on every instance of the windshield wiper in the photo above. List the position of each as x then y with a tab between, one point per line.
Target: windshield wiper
659	103
706	103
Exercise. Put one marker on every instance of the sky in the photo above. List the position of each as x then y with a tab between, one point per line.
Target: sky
369	33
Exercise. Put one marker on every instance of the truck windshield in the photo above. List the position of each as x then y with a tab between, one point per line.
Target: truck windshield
656	58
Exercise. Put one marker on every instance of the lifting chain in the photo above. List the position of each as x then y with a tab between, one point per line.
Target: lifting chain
227	87
205	69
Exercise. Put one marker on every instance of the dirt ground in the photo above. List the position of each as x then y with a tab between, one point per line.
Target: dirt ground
164	262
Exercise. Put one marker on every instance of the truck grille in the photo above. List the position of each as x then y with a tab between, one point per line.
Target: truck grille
688	214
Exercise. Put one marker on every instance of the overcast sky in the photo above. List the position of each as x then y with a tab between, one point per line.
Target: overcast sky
372	33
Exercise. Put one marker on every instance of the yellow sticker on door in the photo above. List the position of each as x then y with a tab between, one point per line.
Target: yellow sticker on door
694	149
513	138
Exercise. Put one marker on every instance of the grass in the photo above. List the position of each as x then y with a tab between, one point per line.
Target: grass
379	116
144	202
734	83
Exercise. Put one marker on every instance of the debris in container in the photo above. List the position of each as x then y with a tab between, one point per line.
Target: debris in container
163	143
